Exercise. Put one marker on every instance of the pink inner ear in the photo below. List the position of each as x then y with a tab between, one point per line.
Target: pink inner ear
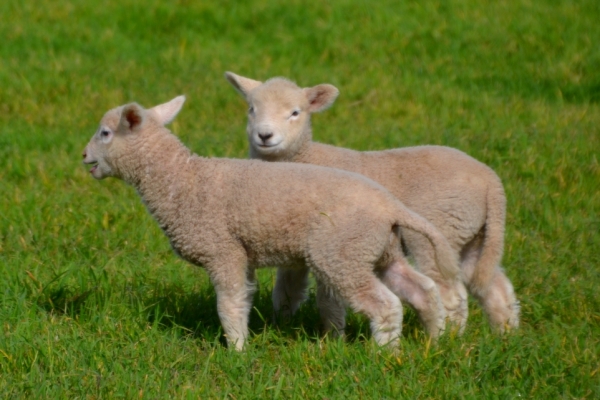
133	117
316	97
320	97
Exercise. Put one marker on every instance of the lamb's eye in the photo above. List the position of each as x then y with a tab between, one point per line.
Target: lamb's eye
295	113
104	133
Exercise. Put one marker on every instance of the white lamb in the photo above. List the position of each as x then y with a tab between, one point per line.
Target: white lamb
461	196
233	216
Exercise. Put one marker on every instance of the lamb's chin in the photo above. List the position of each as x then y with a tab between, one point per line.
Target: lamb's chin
268	150
97	173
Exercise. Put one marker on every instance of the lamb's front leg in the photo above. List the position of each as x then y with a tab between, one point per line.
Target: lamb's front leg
289	291
235	286
332	310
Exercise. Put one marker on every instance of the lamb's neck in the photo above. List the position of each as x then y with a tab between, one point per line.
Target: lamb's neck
302	151
164	177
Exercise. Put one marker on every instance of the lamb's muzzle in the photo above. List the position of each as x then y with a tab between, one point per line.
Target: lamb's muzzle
265	137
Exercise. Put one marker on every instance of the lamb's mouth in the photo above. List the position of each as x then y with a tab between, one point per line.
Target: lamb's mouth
94	165
266	146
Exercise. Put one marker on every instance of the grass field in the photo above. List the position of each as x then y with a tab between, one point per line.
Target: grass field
93	303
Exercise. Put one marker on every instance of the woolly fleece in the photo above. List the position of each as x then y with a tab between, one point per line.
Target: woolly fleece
461	196
233	216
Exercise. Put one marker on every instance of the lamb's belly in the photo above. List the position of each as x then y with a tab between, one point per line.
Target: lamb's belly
272	247
275	259
190	254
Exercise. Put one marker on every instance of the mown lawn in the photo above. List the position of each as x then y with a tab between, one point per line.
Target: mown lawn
93	303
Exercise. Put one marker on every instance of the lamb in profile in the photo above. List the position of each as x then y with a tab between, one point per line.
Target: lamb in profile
461	196
233	216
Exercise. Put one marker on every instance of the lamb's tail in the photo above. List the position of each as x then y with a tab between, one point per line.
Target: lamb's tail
493	239
446	258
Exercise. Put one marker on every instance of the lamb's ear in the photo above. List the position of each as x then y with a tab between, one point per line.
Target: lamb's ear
320	97
166	113
241	84
132	117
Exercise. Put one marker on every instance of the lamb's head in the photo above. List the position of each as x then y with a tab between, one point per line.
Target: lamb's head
279	113
121	133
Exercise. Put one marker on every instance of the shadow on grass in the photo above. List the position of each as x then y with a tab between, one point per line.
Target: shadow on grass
60	296
65	300
197	314
168	305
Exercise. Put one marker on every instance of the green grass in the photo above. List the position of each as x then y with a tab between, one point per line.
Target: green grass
93	304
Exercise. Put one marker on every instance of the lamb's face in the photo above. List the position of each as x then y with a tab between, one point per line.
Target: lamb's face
277	117
121	132
97	151
279	113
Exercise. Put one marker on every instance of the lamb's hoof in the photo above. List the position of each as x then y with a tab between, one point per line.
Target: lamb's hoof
510	322
334	334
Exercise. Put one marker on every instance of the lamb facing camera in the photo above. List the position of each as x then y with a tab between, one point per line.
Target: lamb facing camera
459	195
233	216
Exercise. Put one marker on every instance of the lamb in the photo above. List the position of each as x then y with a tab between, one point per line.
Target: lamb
461	196
233	216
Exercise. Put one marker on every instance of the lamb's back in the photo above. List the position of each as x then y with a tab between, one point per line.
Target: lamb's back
282	203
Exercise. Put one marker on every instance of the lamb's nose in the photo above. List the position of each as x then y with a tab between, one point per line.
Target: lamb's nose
84	154
265	136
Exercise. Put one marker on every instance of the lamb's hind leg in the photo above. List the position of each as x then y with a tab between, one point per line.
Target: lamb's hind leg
497	296
419	291
452	293
500	303
289	291
366	294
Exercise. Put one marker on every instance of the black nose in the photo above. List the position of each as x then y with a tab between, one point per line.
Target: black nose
265	136
84	154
